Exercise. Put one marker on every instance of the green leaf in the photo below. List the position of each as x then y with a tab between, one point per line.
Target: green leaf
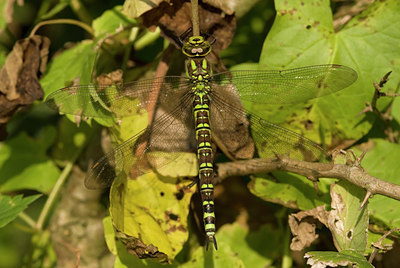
73	66
347	223
10	207
373	238
239	247
152	210
3	55
223	257
123	258
303	34
71	140
250	245
333	259
384	154
109	235
290	190
77	62
110	22
25	165
395	111
3	11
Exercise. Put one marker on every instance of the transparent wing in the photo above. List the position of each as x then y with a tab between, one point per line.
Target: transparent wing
171	131
270	139
103	101
288	86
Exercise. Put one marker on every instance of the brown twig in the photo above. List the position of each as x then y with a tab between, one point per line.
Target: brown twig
378	245
352	173
385	117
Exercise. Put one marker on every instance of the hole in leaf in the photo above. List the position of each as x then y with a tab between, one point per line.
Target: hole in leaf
179	195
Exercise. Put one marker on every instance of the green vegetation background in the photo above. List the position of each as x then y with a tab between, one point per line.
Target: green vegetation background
268	37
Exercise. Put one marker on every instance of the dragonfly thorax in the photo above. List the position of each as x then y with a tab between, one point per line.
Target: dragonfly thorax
198	72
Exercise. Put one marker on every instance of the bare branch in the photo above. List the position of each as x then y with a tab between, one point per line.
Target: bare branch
352	173
378	246
384	116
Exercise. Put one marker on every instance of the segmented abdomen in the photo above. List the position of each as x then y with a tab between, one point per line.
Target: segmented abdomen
201	104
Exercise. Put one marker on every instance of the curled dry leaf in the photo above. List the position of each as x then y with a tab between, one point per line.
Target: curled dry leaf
137	248
175	18
303	225
115	77
19	82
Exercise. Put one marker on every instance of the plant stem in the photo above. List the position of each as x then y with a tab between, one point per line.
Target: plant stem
287	261
81	11
54	193
195	17
26	218
84	26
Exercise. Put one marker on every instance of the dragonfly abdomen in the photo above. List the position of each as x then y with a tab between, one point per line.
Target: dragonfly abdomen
204	153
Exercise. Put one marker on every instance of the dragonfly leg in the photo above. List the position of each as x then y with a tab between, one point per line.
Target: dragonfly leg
183	36
193	183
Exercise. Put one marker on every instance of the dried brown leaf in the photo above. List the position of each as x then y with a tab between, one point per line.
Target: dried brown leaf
114	77
303	226
19	76
174	19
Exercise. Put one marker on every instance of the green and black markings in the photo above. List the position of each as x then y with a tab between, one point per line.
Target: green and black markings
209	104
198	71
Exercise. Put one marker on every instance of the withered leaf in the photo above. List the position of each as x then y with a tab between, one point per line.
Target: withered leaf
303	226
174	19
19	76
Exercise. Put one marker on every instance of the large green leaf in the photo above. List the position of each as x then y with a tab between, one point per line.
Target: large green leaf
347	222
384	154
152	211
395	111
303	34
73	66
10	207
110	21
239	247
290	190
25	165
74	63
71	140
333	259
3	11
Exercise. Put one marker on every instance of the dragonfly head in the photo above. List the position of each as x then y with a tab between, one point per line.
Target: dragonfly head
196	47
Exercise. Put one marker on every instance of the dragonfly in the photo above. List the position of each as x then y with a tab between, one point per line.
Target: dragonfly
201	109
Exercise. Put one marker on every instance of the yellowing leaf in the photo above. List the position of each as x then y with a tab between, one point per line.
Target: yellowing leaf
152	212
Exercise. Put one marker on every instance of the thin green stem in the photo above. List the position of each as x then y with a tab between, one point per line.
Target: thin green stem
195	17
26	218
84	26
81	11
287	261
54	193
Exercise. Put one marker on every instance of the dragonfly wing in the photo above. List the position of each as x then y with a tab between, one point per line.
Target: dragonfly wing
164	141
288	86
270	139
230	130
103	101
